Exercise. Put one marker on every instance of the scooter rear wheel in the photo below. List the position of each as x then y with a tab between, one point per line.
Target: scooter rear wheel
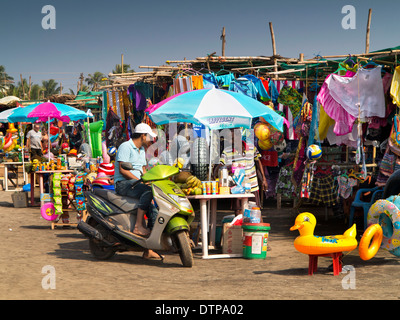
99	250
185	251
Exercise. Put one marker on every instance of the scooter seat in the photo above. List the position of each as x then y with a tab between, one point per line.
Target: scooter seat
126	204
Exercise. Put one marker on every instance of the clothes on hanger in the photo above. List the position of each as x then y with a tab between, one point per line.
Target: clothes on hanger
262	93
225	79
245	86
365	87
343	120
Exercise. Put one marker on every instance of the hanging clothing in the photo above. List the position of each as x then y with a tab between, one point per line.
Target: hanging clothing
244	86
366	88
197	82
325	122
209	81
343	120
275	87
395	87
323	190
262	93
182	84
225	79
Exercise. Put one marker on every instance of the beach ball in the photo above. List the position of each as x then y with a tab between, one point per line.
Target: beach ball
112	151
314	152
265	144
262	131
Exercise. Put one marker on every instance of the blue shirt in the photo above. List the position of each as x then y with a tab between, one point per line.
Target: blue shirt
128	152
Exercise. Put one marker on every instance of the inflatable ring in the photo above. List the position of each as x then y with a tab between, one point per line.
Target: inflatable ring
387	215
48	212
375	233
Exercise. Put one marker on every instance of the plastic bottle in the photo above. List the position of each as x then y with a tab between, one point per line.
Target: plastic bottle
255	215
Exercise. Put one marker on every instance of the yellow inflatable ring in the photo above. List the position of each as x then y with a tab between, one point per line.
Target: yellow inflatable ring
366	249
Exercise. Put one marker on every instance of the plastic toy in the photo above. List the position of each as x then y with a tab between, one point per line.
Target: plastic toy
48	211
310	244
95	137
106	156
387	215
366	249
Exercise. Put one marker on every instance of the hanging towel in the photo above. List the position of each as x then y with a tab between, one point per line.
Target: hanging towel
182	84
366	88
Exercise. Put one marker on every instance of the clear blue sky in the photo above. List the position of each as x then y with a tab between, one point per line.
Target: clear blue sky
91	35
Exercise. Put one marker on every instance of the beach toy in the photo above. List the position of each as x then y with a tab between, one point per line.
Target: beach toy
95	129
48	211
387	215
310	244
112	151
314	152
262	131
366	249
265	145
106	157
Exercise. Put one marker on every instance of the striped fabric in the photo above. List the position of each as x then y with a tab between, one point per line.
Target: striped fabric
246	159
288	115
183	84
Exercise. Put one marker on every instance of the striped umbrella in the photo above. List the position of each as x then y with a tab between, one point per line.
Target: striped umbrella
215	108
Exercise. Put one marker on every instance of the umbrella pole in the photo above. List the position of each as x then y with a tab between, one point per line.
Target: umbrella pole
48	143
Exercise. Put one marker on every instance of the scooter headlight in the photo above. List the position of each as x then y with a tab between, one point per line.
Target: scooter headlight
182	201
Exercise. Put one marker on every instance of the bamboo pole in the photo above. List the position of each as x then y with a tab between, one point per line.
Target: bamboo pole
271	30
122	63
368	31
223	41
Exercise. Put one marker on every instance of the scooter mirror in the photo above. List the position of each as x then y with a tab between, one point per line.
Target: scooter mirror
126	166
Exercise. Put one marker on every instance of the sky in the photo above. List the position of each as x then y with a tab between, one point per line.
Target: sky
91	35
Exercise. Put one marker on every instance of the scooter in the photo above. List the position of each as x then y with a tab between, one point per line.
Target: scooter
112	218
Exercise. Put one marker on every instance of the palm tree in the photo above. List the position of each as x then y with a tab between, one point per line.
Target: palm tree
50	87
95	80
127	68
5	81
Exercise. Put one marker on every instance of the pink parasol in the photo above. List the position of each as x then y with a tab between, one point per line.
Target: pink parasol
46	111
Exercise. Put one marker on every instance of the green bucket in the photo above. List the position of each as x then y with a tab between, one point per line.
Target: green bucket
255	238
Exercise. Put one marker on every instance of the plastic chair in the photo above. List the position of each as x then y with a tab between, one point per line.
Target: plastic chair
377	193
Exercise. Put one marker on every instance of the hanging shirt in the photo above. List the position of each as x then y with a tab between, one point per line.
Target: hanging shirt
262	93
244	86
197	82
209	81
225	79
366	88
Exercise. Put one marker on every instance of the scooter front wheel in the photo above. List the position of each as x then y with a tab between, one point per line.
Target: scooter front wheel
181	240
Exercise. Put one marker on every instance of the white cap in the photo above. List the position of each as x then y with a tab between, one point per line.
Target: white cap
144	128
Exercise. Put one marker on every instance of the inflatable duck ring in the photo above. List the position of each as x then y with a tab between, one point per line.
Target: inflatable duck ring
310	244
387	215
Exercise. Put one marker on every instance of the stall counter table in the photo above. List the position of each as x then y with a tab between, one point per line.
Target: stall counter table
213	219
7	167
40	174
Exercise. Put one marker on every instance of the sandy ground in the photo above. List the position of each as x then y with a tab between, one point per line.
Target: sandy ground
27	245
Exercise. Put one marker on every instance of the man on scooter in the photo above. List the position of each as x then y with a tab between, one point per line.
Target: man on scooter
133	151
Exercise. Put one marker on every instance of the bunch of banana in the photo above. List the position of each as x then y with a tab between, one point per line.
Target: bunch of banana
193	182
191	186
